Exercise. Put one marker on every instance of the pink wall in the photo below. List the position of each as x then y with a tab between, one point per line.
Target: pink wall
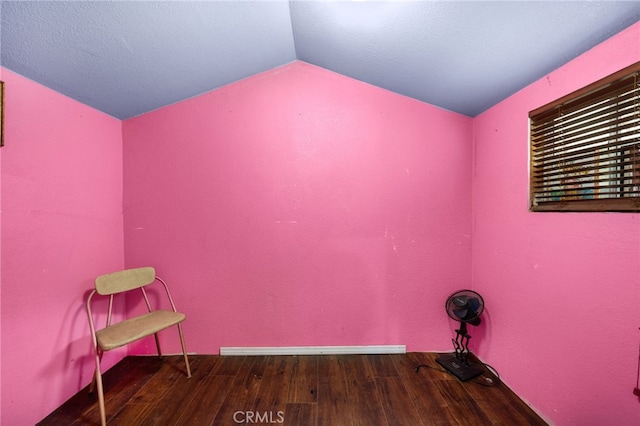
562	290
301	207
1	79
61	226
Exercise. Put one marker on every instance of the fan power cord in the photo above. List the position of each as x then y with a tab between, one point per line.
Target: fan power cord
487	380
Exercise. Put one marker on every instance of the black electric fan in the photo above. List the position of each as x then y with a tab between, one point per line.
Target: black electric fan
464	306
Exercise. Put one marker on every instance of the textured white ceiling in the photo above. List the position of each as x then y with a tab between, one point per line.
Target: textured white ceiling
129	57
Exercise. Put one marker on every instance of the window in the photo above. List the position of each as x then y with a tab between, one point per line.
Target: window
585	148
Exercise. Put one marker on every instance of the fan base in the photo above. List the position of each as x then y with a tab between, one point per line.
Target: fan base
463	372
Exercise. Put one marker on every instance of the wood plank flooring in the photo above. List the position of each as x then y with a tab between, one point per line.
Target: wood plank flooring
333	390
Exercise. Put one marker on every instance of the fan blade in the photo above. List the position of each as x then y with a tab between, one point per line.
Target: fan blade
474	304
461	313
460	301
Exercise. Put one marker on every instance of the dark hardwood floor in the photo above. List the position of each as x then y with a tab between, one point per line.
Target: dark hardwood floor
366	390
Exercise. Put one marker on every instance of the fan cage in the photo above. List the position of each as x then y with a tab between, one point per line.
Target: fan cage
449	305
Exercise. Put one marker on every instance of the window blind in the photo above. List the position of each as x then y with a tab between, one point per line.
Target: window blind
585	148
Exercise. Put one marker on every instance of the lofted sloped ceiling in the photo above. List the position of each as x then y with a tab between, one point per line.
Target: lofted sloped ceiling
130	57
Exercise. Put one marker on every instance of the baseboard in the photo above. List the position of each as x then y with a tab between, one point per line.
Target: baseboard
163	354
315	350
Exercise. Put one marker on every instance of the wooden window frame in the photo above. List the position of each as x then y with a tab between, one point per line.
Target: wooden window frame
585	148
